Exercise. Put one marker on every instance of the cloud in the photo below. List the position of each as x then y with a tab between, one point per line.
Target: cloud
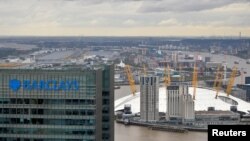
66	16
94	22
169	22
185	5
130	22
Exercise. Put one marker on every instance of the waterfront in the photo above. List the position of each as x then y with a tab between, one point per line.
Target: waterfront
136	133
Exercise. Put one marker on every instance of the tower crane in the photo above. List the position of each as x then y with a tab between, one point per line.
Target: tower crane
231	81
195	81
130	79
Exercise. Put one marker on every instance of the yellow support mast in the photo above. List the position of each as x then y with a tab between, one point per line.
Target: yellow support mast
216	77
167	77
195	80
130	79
218	81
231	81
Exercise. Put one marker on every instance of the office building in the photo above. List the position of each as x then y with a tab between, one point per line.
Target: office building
180	105
247	80
246	87
57	105
149	99
239	93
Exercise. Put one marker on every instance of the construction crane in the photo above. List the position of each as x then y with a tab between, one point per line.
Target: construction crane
231	81
218	81
130	79
167	78
195	80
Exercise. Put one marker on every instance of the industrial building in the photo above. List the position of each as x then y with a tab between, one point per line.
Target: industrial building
149	86
70	104
180	105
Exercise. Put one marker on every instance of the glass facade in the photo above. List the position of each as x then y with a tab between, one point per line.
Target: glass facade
56	114
108	104
247	80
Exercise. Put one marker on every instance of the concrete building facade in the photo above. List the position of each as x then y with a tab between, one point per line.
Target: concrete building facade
180	105
149	109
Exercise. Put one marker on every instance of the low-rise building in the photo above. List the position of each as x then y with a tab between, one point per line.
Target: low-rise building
216	117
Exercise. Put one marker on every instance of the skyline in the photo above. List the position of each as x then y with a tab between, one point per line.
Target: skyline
125	18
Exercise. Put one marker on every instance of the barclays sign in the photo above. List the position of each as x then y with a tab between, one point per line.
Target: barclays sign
48	85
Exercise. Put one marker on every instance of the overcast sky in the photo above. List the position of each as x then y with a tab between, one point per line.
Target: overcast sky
125	17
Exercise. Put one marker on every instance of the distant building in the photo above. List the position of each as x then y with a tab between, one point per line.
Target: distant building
246	87
175	59
149	109
180	105
152	63
165	63
207	59
213	64
248	52
122	65
247	80
239	93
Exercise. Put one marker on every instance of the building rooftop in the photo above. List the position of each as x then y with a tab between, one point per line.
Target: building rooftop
204	98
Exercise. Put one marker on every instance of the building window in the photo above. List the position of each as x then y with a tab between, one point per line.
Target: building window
90	112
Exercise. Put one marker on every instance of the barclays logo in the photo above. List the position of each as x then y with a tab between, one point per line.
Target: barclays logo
15	84
49	85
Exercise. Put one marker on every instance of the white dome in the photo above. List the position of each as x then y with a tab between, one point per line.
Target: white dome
204	98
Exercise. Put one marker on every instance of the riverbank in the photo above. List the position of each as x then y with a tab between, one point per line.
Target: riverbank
162	126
